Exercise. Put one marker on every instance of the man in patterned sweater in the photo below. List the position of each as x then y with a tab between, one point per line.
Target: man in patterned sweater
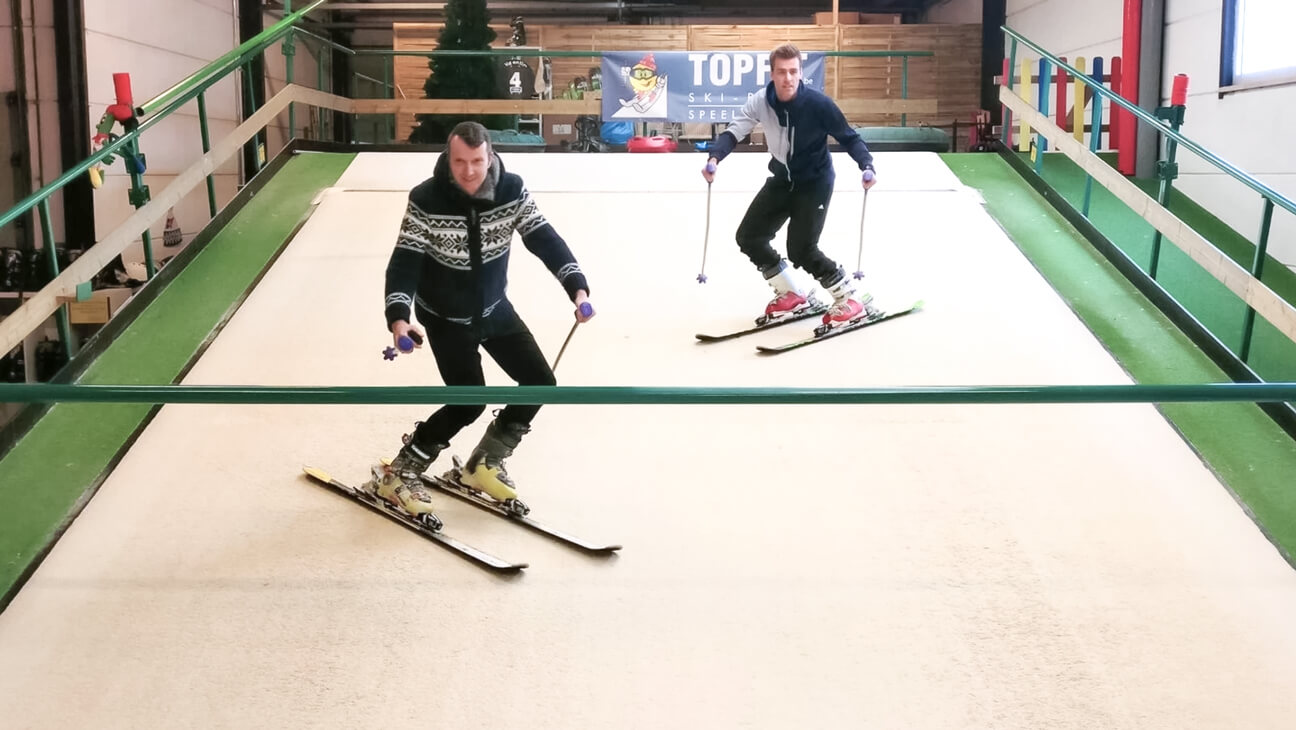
450	266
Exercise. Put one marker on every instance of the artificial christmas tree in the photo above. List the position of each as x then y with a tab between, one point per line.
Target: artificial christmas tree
467	28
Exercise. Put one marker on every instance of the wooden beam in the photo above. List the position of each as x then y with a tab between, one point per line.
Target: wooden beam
852	107
1261	298
591	106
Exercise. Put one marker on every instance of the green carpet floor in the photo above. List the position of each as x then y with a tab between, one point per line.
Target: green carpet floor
1253	456
45	478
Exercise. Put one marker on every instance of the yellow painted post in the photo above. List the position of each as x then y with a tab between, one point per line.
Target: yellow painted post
1078	108
1024	138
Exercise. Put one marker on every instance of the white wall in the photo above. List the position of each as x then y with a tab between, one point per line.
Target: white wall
954	11
159	43
1251	129
1068	27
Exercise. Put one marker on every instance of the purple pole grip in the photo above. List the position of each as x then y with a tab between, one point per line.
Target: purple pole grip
586	309
405	343
710	167
868	175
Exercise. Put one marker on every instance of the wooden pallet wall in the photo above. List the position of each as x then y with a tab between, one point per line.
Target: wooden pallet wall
951	77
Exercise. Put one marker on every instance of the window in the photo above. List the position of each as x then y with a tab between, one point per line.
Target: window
1256	46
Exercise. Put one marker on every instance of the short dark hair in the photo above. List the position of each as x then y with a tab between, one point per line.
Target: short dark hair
473	134
787	50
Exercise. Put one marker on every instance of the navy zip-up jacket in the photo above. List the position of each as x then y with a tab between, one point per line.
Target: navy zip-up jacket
796	134
451	258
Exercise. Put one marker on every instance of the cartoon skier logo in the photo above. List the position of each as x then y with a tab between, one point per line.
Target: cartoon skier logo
649	100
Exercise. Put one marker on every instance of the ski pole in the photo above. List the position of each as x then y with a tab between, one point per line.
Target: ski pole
587	310
859	257
706	237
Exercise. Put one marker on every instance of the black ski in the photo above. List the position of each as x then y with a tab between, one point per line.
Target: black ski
449	485
812	312
479	557
856	325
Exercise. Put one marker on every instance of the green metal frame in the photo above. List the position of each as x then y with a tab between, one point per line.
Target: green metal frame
1167	121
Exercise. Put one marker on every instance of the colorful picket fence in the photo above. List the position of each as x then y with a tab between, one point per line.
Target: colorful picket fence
1074	110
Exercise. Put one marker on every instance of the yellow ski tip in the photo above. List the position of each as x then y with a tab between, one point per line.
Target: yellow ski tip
319	474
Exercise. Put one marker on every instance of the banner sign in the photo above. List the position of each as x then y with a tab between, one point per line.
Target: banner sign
689	86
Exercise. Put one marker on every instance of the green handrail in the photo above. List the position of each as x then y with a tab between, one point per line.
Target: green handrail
122	142
618	395
260	42
1162	128
321	39
116	146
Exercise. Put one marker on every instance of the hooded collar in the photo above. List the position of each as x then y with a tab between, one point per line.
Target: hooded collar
772	96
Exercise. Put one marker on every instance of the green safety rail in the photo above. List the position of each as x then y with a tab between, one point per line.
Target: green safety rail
1166	124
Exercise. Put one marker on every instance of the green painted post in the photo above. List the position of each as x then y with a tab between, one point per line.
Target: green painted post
1006	134
47	229
288	51
139	197
1045	74
206	147
1257	270
904	85
1167	170
250	99
319	84
1095	134
389	72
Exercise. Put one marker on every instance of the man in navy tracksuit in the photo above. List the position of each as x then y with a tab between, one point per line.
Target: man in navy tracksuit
450	266
797	122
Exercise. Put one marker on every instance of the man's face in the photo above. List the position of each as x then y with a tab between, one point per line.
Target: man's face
469	164
787	75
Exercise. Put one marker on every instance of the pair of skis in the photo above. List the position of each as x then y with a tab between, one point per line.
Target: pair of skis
871	316
453	488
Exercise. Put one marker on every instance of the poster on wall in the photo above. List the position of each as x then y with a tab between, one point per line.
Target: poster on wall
689	86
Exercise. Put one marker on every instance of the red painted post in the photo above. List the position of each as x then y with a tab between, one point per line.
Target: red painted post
1131	50
125	107
1062	85
1179	92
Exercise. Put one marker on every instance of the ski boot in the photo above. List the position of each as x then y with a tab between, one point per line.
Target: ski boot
788	301
848	306
485	472
400	484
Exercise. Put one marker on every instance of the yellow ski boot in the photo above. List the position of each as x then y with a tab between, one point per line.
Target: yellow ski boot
400	484
485	472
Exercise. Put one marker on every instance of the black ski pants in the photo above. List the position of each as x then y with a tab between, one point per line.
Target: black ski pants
457	351
804	207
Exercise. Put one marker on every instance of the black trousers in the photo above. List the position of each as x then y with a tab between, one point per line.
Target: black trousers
457	351
804	207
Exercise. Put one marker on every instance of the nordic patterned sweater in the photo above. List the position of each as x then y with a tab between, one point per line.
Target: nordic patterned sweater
451	257
796	133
